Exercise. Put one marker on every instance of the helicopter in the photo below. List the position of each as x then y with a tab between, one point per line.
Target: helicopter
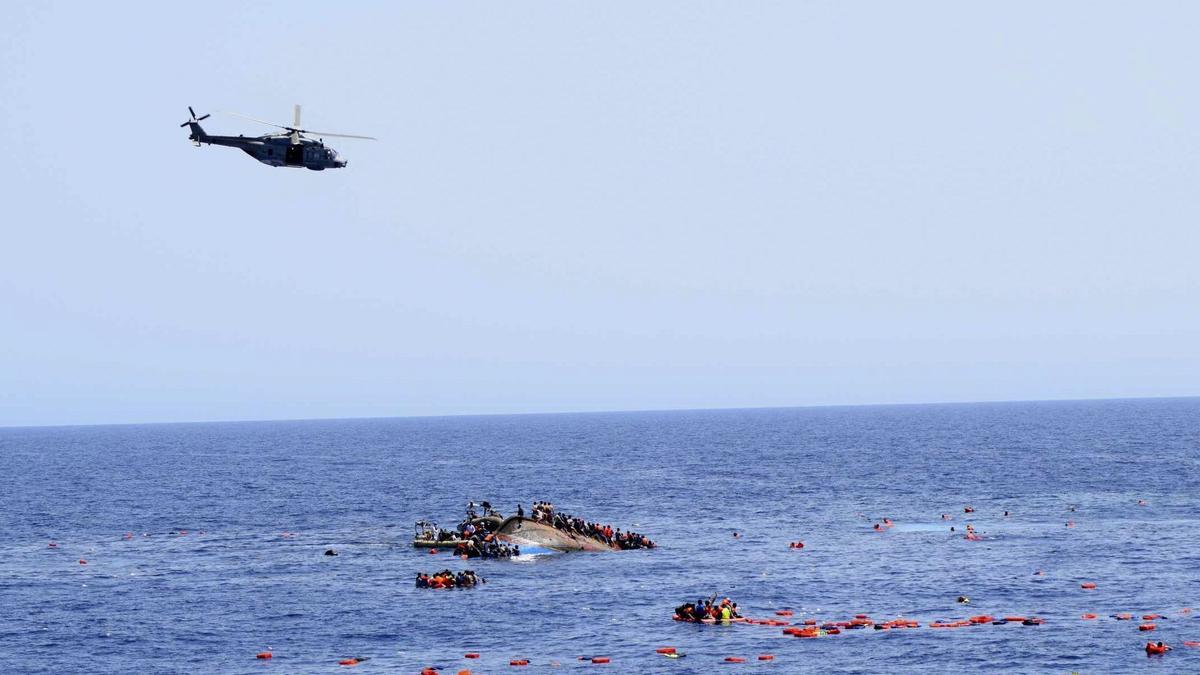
281	149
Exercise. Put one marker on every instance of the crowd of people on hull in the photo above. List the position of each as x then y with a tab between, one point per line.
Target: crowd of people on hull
448	579
707	611
544	512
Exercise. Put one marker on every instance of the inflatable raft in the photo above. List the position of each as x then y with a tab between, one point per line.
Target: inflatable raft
425	535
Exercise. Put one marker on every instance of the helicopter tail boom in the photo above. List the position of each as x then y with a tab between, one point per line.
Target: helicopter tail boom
198	135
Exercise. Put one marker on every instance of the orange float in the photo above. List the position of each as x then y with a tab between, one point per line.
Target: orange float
519	662
1147	626
1191	643
766	657
783	612
1088	585
264	655
1124	616
1152	648
1151	617
601	659
471	655
348	662
665	650
734	659
1088	617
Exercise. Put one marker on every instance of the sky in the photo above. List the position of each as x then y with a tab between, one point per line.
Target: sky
596	206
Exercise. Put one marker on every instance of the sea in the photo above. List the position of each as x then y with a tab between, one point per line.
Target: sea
192	548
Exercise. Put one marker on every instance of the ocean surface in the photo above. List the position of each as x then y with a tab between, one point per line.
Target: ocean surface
261	502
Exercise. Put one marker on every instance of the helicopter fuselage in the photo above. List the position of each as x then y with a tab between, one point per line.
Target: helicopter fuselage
276	149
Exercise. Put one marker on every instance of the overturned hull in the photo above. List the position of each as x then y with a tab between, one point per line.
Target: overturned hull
529	532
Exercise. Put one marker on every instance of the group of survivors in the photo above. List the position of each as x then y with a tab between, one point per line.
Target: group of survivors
707	611
448	579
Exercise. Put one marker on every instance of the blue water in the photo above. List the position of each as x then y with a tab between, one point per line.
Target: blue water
208	602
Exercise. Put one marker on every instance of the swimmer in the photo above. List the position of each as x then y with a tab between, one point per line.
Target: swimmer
330	551
963	600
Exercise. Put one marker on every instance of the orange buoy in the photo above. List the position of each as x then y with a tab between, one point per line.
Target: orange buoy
1151	617
601	659
783	612
1088	617
82	561
1191	643
519	662
1088	585
348	662
734	659
1014	619
665	650
1124	616
464	672
264	655
1147	626
471	655
429	671
834	631
810	622
766	657
860	616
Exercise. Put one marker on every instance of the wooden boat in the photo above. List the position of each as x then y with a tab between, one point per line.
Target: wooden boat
528	532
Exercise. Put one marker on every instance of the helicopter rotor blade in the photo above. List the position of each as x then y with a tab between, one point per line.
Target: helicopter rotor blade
201	119
193	112
296	116
322	133
254	119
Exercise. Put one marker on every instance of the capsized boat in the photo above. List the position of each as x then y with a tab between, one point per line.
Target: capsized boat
529	532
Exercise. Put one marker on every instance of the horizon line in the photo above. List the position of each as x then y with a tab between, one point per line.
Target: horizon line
601	412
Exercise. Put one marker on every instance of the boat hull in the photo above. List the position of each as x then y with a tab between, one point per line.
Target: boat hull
529	532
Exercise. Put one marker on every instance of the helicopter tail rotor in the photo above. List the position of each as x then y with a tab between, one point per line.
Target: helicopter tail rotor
197	134
193	119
